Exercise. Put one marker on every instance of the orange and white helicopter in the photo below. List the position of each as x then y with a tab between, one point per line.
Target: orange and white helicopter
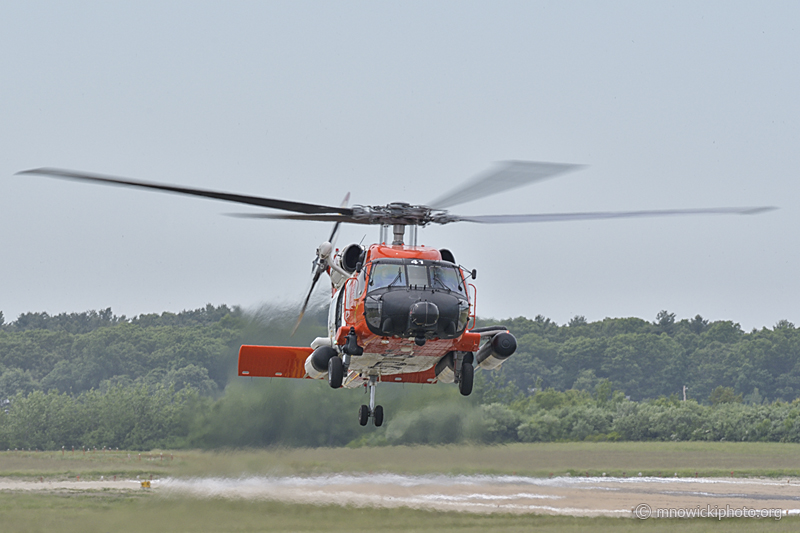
399	311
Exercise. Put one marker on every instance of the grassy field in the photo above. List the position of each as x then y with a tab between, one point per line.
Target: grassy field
139	510
540	460
101	512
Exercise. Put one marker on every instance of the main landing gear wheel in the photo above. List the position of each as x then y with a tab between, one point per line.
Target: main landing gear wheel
373	411
363	415
335	372
467	375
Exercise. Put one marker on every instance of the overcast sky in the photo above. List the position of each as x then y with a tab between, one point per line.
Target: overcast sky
670	105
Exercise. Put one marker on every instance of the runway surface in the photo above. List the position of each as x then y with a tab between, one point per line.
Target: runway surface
642	497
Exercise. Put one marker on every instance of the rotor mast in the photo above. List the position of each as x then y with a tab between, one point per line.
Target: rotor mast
399	231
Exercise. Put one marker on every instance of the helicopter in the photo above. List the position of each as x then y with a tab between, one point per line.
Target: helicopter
399	311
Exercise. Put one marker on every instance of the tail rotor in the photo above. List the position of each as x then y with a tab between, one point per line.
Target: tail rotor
320	264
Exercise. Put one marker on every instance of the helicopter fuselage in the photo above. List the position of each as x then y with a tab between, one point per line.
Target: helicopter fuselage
397	313
408	309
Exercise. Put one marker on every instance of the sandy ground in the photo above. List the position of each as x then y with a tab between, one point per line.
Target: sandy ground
641	497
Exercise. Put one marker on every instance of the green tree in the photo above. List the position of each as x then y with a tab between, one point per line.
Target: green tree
665	321
577	321
724	395
16	381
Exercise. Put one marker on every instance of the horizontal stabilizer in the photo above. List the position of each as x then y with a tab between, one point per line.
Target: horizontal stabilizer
273	361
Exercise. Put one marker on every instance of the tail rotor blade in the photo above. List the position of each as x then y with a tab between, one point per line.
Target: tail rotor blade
332	238
320	265
314	280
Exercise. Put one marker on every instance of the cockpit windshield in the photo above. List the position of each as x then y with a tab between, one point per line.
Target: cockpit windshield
387	275
416	274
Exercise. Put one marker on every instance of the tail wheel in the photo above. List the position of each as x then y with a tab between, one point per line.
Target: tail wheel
378	416
363	415
335	372
467	375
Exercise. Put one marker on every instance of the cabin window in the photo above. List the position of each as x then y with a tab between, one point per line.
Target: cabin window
360	282
339	305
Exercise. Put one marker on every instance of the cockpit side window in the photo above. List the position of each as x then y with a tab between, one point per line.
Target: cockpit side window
446	277
386	275
360	279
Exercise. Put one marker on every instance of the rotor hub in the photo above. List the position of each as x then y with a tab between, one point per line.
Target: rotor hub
399	213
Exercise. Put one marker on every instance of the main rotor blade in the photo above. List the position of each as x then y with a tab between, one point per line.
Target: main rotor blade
298	207
563	217
505	176
315	218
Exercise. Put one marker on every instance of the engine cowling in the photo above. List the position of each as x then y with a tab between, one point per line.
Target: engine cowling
444	369
350	257
492	354
316	364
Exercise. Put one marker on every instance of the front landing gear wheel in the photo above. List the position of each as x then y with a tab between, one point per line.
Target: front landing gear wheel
363	415
377	416
335	372
467	375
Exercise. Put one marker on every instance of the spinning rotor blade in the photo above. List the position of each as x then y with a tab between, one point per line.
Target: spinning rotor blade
317	274
505	176
298	207
562	217
332	238
320	265
317	218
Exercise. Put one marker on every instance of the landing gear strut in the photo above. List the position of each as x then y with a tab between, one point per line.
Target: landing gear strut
374	411
338	367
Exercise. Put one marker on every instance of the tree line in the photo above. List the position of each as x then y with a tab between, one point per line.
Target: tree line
168	380
652	359
79	352
294	413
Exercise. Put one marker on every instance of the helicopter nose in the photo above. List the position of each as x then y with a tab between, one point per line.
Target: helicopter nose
424	314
